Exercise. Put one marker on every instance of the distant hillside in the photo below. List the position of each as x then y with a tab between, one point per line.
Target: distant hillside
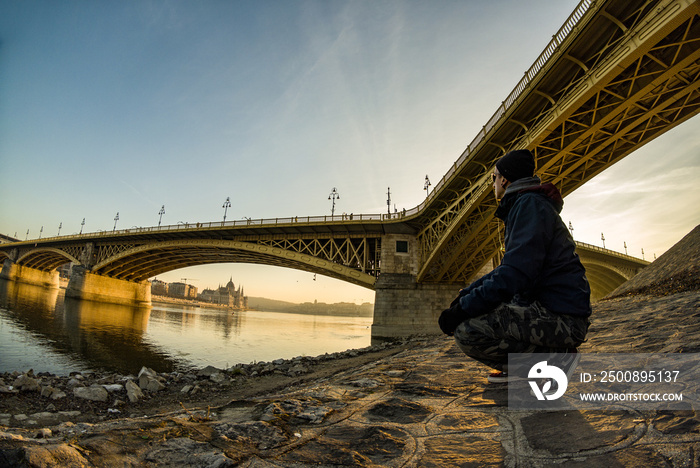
262	303
675	271
316	308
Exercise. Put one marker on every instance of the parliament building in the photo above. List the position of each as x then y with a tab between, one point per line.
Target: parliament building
226	295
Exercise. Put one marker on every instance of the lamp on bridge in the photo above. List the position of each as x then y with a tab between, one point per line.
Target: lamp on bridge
602	237
388	200
161	213
116	218
82	225
226	205
333	196
60	225
426	186
571	228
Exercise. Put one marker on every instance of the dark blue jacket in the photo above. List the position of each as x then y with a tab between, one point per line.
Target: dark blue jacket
540	262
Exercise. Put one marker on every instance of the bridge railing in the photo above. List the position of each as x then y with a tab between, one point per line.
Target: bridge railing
359	218
234	223
609	252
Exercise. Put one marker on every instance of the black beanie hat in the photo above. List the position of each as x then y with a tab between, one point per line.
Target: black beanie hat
516	164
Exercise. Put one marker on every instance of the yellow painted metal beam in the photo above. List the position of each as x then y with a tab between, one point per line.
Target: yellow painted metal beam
147	260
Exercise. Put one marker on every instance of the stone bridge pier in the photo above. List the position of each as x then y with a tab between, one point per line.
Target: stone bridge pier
12	271
402	306
83	283
86	285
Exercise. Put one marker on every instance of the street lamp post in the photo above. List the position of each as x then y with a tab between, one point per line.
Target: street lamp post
426	186
116	218
41	231
333	196
226	206
82	225
625	244
571	228
60	225
161	213
388	200
602	237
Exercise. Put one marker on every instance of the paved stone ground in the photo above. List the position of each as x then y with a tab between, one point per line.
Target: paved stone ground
427	406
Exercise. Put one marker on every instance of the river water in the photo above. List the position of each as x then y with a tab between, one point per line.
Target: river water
42	330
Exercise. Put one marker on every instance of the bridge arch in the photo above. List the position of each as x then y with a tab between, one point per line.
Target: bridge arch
145	261
45	258
603	277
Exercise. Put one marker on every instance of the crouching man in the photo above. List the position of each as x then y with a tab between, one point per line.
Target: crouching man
538	299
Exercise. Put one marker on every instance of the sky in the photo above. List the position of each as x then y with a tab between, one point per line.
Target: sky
125	107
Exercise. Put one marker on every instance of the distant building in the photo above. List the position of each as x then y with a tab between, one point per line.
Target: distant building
226	295
159	288
183	290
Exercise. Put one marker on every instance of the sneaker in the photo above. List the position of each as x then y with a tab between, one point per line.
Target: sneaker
498	377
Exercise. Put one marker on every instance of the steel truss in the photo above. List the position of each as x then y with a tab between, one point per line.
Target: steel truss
350	257
359	253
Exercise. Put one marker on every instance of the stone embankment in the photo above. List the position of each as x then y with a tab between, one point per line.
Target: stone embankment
419	403
192	303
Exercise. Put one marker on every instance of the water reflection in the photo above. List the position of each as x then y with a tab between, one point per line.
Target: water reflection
112	336
224	322
27	295
43	330
81	334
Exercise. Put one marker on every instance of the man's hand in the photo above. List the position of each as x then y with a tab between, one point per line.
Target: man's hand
451	318
462	293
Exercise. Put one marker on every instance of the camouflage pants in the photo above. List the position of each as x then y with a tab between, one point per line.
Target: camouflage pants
511	328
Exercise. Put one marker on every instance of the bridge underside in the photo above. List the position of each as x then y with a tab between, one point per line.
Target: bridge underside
602	279
350	259
139	263
143	262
